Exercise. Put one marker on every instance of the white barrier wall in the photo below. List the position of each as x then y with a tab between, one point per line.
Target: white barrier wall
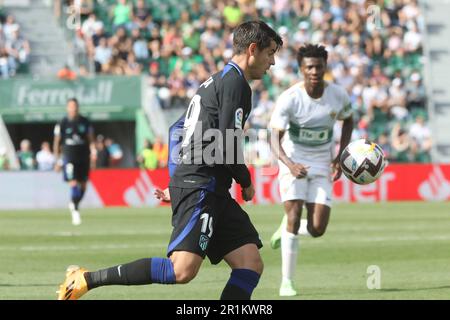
39	190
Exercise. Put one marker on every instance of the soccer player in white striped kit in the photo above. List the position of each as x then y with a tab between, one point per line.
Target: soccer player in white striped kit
302	123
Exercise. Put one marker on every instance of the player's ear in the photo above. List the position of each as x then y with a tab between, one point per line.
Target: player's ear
252	48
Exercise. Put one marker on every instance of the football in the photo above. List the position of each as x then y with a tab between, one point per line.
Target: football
363	161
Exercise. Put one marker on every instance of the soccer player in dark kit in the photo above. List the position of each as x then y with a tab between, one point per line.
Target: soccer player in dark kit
75	134
206	220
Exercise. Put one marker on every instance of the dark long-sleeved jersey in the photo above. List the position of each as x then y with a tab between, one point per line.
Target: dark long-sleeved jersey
210	152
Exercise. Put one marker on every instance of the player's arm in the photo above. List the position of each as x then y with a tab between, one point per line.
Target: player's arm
57	147
231	120
279	123
297	169
347	128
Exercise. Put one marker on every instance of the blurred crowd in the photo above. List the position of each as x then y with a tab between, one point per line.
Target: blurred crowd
105	153
375	52
14	48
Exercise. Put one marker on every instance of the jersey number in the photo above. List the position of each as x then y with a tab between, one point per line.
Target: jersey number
207	222
191	119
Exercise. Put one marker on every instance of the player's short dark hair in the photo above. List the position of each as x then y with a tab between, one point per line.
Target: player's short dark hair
74	100
254	32
311	51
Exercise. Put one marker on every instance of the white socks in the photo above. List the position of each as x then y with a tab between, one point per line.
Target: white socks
303	230
289	252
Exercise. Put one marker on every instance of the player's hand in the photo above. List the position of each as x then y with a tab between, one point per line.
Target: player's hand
336	170
298	170
162	195
248	193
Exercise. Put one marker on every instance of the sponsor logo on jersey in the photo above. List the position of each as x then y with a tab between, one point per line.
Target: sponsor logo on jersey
238	117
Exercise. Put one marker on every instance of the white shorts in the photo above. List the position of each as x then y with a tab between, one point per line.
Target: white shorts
311	189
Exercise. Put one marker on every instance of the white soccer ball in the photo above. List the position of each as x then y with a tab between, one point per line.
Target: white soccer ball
363	161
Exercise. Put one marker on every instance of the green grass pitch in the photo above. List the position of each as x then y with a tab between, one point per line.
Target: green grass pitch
409	242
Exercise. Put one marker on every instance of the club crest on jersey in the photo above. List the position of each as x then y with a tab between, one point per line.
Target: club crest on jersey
333	114
203	243
238	117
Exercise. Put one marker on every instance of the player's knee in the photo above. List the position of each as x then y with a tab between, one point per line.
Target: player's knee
259	266
185	276
317	231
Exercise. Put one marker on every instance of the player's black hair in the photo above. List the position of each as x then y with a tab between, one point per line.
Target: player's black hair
74	100
254	32
311	51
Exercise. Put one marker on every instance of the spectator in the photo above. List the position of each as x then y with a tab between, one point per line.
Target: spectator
85	7
421	135
148	159
66	73
18	47
161	150
121	14
115	152
141	17
89	25
416	94
45	158
102	56
26	156
103	157
401	145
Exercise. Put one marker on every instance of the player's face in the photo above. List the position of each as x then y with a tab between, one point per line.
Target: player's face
262	60
313	70
72	109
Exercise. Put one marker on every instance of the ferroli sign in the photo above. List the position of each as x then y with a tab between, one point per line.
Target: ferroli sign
35	95
102	98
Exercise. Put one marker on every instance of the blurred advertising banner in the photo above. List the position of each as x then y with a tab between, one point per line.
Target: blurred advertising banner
399	182
134	187
44	100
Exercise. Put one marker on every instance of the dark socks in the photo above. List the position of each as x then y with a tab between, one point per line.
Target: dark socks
76	194
139	272
241	284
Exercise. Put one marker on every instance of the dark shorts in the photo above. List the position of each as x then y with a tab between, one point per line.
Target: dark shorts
208	225
76	171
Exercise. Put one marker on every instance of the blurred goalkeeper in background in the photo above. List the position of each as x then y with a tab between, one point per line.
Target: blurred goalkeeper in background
75	134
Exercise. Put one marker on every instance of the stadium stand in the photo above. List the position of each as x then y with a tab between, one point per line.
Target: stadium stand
377	57
14	47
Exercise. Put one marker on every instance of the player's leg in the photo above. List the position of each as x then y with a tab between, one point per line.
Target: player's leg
318	205
184	253
78	189
236	241
75	192
246	269
318	218
181	267
290	246
291	188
